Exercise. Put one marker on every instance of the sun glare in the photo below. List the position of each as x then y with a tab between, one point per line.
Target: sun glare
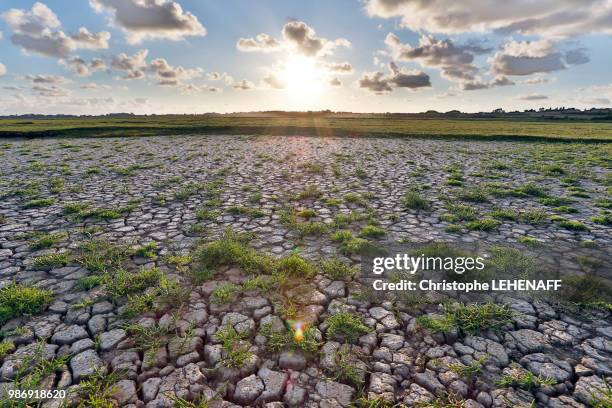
302	77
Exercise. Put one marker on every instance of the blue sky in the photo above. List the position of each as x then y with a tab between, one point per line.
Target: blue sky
174	56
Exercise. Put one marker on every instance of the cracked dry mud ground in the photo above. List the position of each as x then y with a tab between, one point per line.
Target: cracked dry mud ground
212	343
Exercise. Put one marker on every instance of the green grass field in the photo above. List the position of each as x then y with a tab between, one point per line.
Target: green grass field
365	126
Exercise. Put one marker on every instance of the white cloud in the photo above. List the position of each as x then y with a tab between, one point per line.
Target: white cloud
477	83
2	69
51	91
335	82
218	76
86	40
376	82
537	81
193	88
47	79
134	65
532	97
168	75
339	67
244	85
146	19
261	43
298	37
454	61
82	67
89	85
551	18
37	31
381	83
273	82
532	57
39	19
303	39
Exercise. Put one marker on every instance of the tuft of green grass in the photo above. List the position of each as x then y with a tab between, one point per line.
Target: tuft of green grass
586	290
529	189
355	198
533	217
415	201
355	246
309	192
460	212
566	209
484	224
555	201
376	402
6	347
307	213
235	350
285	340
232	249
51	261
186	191
333	202
224	294
123	283
469	319
504	214
147	251
310	228
527	240
75	208
87	302
343	220
361	173
90	282
247	211
263	283
39	202
470	371
100	256
200	401
507	262
371	231
474	194
604	203
552	170
346	324
148	339
81	211
294	266
99	389
570	224
336	269
45	240
33	371
603	219
453	229
524	379
205	214
313	167
21	300
345	369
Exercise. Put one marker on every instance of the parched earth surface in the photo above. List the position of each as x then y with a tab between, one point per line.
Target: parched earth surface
183	192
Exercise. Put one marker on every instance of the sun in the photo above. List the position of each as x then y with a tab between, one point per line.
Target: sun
302	77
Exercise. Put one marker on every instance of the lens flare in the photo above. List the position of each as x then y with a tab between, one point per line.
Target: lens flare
298	332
